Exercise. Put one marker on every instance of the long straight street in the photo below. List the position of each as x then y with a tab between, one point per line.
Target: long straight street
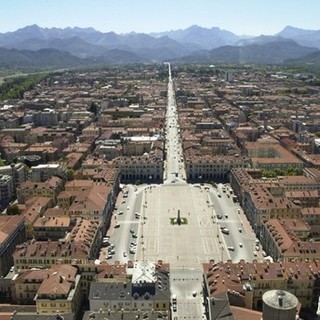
180	223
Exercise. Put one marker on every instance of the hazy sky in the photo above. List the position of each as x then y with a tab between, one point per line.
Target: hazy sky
251	17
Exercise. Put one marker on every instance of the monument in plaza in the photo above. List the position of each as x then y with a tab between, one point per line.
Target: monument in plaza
178	218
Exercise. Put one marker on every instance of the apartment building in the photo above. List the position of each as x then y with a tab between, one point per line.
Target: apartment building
46	151
6	190
305	199
53	228
17	171
32	210
72	160
26	284
240	179
46	117
60	293
208	167
311	215
105	273
270	156
13	233
149	289
244	283
89	199
136	148
146	168
18	134
80	246
287	240
43	172
50	189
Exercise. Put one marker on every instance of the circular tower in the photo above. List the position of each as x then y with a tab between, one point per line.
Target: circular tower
279	305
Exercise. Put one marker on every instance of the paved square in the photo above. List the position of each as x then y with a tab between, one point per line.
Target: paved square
183	246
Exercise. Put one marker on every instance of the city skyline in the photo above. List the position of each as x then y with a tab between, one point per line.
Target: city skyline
248	17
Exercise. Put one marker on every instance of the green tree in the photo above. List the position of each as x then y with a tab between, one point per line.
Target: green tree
70	174
2	162
13	210
14	88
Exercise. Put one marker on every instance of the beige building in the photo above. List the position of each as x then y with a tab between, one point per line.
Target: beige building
50	189
60	292
26	284
32	210
53	228
208	168
311	215
147	168
244	283
80	246
137	146
270	156
260	204
288	240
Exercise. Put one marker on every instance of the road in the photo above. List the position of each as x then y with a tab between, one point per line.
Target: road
203	209
174	170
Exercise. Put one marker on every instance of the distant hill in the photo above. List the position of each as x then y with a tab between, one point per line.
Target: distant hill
275	52
311	60
91	43
74	45
204	38
117	56
309	38
50	58
259	40
70	47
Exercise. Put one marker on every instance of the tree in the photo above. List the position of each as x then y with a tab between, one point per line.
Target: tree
70	174
13	210
2	162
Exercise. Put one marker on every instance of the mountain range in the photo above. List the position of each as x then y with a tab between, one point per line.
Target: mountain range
34	46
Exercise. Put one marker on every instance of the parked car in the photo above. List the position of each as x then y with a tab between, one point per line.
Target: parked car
225	230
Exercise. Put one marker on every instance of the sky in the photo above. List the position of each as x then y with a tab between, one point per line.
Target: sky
242	17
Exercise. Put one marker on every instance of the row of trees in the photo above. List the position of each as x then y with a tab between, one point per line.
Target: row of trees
277	172
14	88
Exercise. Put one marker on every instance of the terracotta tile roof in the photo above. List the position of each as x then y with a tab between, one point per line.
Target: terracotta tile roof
7	225
60	282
